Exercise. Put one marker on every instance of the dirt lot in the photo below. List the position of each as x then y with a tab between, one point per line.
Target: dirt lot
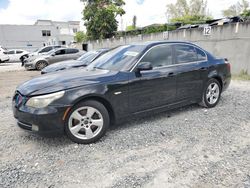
188	147
15	66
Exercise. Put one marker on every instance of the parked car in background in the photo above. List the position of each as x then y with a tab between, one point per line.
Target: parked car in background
127	81
82	61
16	54
3	55
56	55
39	51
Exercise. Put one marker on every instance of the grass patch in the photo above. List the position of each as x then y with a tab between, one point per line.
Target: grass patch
242	76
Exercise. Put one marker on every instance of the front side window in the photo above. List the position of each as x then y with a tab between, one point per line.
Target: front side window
11	52
185	54
159	56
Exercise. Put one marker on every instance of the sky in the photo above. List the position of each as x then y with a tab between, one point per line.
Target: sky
147	11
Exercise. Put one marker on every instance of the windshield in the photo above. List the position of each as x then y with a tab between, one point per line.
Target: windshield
88	57
117	58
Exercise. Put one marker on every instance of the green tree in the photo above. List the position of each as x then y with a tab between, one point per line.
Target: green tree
187	11
130	28
80	36
100	17
240	8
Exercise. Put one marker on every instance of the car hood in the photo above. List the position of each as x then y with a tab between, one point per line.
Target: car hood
64	80
62	65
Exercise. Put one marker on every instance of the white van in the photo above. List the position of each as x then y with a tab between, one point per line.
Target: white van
3	55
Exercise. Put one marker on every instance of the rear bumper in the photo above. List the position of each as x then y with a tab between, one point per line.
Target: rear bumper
46	122
226	83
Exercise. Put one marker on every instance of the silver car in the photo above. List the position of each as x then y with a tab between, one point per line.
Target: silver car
57	55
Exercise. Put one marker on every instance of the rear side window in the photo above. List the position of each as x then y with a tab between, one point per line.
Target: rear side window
185	54
19	51
159	56
201	55
72	51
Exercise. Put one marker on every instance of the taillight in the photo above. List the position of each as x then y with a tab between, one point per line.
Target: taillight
228	64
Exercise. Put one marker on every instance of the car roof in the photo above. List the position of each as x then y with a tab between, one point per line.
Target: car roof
16	49
162	42
65	49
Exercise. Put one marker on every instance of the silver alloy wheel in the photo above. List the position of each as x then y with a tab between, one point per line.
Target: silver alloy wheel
85	122
40	65
213	93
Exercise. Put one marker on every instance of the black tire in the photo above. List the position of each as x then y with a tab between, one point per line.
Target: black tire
205	102
41	64
106	121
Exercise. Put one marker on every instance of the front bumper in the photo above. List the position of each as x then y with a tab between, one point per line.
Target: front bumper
29	65
5	58
46	122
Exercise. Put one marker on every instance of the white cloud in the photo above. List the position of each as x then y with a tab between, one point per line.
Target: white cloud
150	11
147	11
28	11
154	11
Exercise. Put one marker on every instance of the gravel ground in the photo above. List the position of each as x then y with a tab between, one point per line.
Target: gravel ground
188	147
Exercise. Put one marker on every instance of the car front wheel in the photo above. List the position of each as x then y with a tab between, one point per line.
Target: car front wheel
87	122
211	94
41	64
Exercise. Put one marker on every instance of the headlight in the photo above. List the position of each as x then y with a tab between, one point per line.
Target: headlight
44	100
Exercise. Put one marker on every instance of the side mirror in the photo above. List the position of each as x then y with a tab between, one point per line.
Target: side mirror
144	66
53	54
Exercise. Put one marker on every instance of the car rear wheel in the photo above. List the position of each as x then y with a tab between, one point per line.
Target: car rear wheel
41	64
211	94
87	122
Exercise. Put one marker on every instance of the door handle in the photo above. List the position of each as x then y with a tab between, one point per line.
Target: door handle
171	74
203	68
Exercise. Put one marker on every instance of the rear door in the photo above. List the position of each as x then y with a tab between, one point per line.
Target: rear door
192	65
72	53
157	87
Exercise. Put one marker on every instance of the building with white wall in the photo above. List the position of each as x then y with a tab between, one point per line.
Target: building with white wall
43	32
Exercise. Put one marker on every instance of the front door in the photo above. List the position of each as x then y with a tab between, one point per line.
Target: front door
157	87
59	56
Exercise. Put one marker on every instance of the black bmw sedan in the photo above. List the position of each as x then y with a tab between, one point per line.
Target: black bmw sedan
127	81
